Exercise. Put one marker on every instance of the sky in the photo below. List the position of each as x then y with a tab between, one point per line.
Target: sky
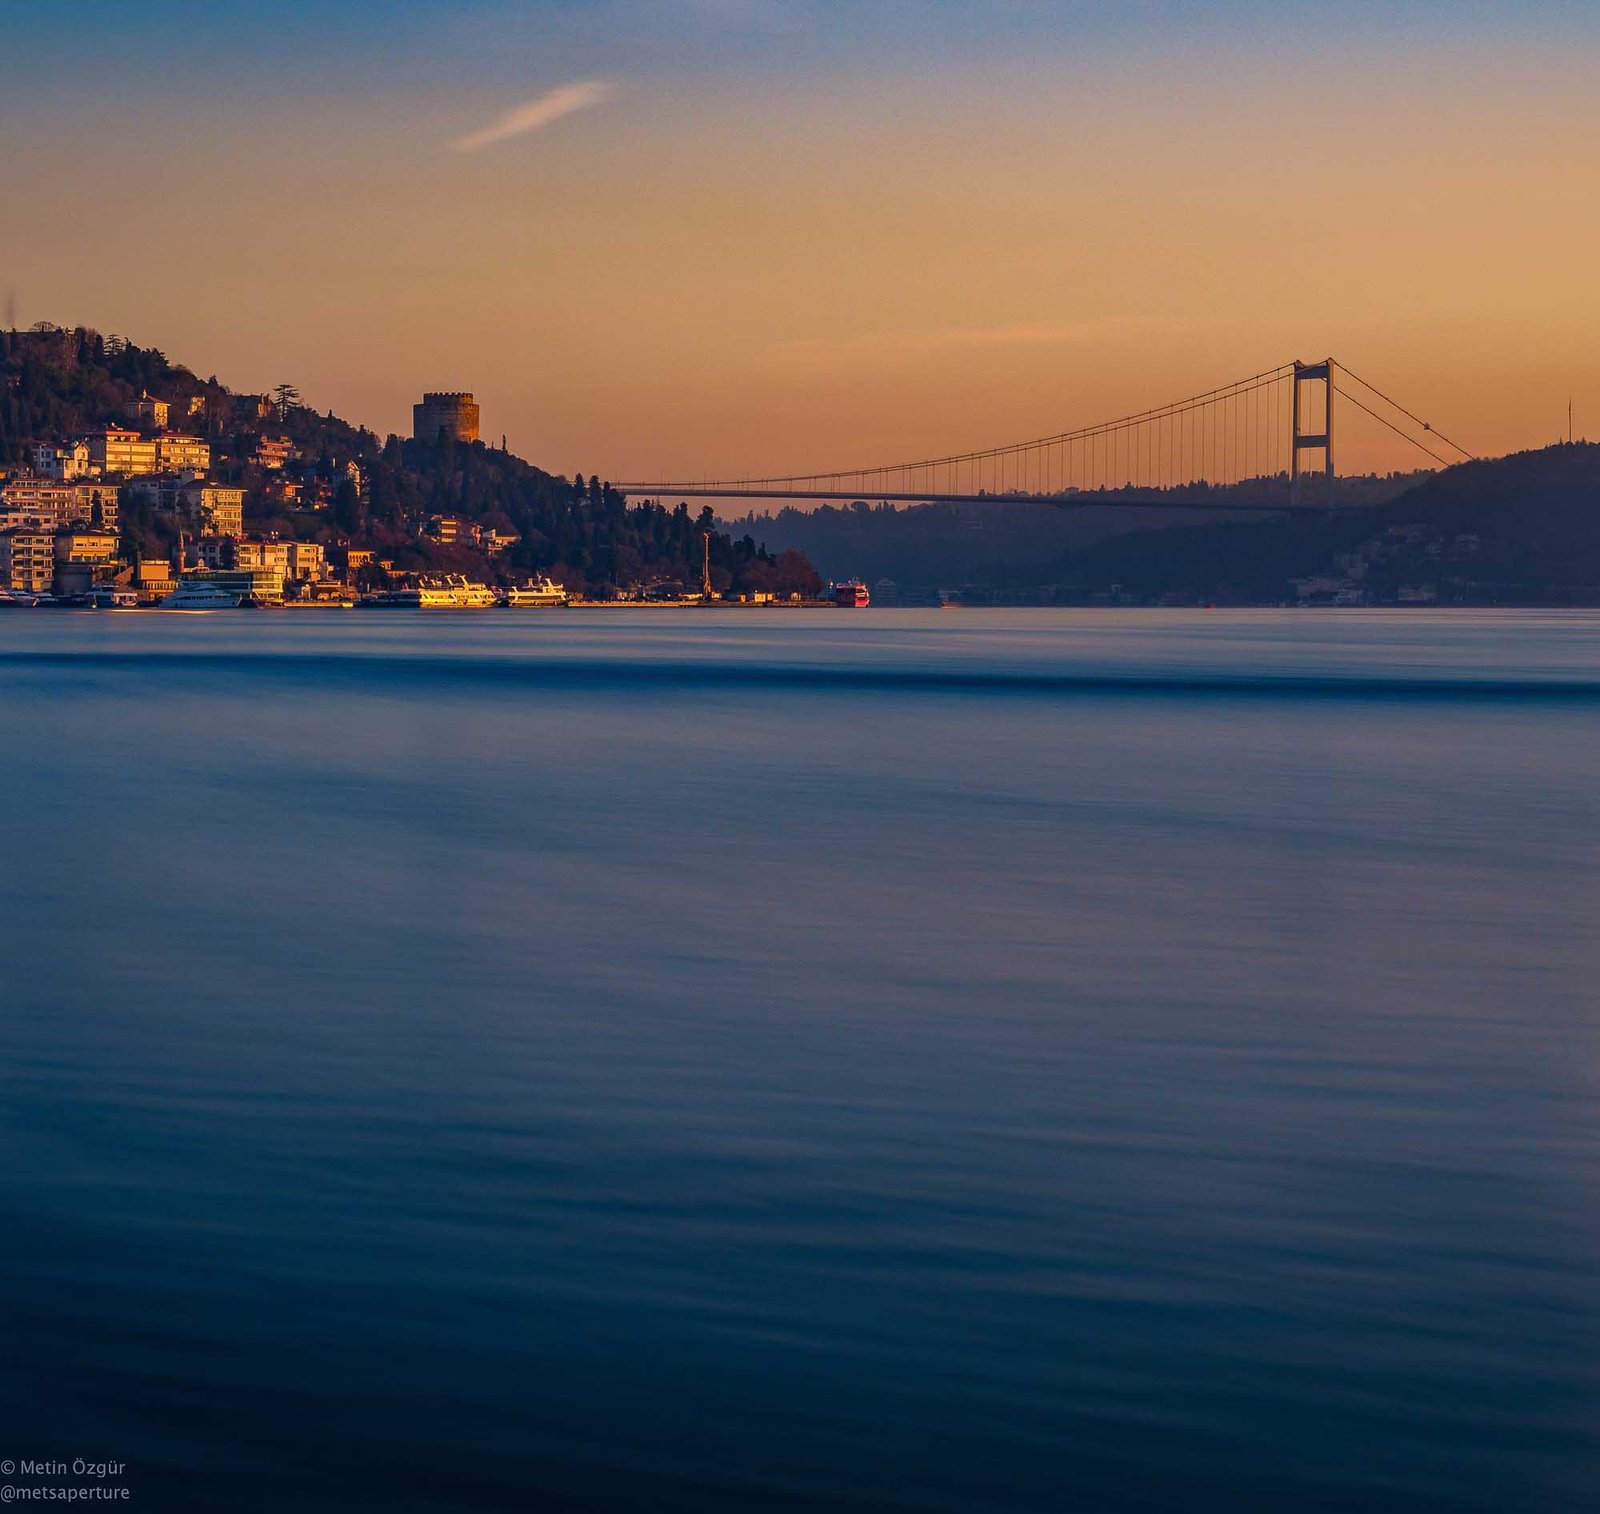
702	238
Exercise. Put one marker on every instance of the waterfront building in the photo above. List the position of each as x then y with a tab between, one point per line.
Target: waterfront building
248	554
176	453
258	554
308	560
446	414
114	450
153	578
86	546
27	559
349	561
255	586
74	578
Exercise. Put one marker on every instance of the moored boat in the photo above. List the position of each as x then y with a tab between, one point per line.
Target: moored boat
466	594
451	592
537	593
200	596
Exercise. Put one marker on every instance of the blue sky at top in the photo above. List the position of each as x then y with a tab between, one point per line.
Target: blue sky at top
287	43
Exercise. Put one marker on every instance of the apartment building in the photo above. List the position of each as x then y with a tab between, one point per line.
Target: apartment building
117	451
28	500
182	454
27	559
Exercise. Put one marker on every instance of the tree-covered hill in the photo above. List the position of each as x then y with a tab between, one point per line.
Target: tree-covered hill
56	381
1523	529
1012	542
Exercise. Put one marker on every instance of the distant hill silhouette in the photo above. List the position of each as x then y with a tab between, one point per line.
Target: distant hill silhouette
1523	530
1011	544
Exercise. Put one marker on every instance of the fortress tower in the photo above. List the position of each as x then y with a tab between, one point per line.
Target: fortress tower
456	415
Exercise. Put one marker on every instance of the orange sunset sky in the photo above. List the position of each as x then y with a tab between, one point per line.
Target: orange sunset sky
696	237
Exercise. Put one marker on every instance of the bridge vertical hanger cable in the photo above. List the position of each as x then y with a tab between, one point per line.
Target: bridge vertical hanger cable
1225	425
1252	431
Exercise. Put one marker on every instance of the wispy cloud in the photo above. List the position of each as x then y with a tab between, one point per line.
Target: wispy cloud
552	105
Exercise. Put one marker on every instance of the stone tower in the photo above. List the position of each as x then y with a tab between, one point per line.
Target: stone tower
455	415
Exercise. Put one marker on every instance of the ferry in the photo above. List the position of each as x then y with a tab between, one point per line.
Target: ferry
851	595
467	595
391	599
451	592
537	593
200	596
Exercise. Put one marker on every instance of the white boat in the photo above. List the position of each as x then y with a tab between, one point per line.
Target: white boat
200	596
537	593
451	592
17	599
109	597
463	593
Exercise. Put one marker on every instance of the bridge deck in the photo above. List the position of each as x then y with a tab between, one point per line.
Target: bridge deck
1111	499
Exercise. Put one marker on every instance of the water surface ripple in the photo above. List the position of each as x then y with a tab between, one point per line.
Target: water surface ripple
994	1061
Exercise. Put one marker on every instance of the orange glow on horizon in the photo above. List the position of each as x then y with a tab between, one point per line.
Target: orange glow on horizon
729	282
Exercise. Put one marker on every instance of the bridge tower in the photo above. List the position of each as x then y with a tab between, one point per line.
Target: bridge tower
1303	440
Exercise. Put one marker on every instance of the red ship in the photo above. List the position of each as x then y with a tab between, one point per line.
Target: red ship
851	595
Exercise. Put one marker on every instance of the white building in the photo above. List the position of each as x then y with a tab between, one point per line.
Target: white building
64	463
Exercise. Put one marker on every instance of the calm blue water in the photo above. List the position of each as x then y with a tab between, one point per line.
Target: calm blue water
992	1061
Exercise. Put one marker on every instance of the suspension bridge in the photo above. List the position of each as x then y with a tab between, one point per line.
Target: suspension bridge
1269	439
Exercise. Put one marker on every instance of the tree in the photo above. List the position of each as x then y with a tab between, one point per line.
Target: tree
347	507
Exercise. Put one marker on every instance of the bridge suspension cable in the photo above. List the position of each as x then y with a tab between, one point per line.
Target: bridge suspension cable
1471	457
1344	393
1247	436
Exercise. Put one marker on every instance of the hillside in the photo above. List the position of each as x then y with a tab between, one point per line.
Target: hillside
1517	530
344	485
1009	544
1523	529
